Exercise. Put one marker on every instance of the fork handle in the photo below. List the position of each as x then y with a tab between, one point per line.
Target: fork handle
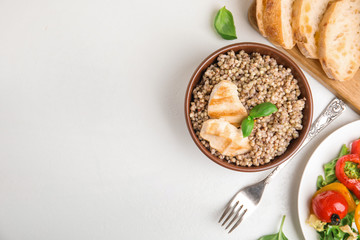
329	114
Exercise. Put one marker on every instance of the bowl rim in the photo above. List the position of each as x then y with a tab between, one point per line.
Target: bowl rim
188	96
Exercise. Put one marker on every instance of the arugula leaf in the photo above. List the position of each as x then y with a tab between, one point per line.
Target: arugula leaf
224	24
320	182
330	177
344	151
329	170
277	236
348	219
333	233
247	126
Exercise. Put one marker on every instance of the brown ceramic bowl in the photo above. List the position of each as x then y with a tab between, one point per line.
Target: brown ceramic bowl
282	59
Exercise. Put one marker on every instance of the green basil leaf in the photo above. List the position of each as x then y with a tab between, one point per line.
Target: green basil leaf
270	237
224	24
262	110
277	236
247	126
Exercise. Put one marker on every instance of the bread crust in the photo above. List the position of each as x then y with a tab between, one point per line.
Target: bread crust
299	37
272	21
275	27
305	50
327	63
323	28
297	9
259	16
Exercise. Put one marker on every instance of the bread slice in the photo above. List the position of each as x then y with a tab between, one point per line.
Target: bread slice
259	16
307	15
224	137
277	16
339	40
224	103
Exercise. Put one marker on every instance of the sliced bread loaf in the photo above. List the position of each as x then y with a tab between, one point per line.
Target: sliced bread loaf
277	15
307	15
259	16
339	40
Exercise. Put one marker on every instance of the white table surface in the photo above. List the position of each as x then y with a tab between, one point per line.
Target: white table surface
93	141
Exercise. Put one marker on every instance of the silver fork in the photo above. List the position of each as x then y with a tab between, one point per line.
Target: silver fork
245	201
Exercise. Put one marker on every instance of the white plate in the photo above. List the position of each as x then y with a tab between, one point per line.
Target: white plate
325	152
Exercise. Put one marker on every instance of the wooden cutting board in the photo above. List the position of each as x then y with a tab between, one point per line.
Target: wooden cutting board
348	91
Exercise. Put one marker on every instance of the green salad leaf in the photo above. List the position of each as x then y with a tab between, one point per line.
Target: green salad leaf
348	219
277	236
320	182
330	177
344	151
343	230
224	24
329	170
333	233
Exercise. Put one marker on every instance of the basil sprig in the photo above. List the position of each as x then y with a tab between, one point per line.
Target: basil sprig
247	126
277	236
261	110
224	24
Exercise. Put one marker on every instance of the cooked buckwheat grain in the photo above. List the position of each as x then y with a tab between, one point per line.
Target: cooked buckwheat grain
259	79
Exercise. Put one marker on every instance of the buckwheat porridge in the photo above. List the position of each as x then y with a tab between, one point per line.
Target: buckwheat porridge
258	79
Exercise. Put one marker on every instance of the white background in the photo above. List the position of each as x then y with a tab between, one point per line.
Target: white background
93	141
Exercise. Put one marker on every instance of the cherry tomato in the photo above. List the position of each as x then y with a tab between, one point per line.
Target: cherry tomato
339	187
355	147
330	206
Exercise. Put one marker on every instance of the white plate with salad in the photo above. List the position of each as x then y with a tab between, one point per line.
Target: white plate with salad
336	144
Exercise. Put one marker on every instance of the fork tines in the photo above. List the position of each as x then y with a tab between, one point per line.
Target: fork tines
235	210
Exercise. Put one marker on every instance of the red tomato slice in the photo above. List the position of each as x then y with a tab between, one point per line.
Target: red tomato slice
355	147
330	206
